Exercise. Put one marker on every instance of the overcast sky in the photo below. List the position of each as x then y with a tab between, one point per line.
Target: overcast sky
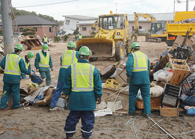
98	7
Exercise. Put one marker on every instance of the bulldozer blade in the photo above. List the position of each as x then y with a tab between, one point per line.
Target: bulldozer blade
100	47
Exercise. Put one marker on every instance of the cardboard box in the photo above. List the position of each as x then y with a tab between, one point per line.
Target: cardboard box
155	102
168	111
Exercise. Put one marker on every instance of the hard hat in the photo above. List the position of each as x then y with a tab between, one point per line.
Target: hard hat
45	47
71	45
30	55
18	47
44	34
135	44
84	50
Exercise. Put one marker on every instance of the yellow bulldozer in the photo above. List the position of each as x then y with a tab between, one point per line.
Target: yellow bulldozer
112	39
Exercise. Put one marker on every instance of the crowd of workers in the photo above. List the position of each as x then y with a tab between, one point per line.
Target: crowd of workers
78	80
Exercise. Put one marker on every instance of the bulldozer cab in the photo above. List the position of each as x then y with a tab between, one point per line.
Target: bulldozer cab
157	27
111	39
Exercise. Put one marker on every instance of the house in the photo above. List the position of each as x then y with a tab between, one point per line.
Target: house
40	25
70	22
87	26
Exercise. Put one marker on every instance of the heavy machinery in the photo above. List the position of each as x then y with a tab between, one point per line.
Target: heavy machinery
157	27
112	39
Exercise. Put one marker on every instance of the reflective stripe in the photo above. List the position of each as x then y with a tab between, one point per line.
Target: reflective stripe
41	56
86	131
66	66
75	80
70	131
136	63
16	65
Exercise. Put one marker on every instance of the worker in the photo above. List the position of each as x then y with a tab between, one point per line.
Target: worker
43	63
27	59
68	57
137	67
82	88
45	40
80	36
13	65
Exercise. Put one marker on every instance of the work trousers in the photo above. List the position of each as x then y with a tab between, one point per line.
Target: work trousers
56	94
145	93
87	119
45	74
9	88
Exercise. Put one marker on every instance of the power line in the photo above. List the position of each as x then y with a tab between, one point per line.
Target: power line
47	4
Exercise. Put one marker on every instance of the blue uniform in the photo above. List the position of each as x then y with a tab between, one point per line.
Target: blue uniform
61	79
29	68
12	84
44	71
138	80
81	104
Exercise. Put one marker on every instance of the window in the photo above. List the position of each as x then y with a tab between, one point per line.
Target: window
67	22
84	29
21	29
92	28
140	27
50	29
35	29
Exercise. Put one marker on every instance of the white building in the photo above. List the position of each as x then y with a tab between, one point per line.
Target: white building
70	22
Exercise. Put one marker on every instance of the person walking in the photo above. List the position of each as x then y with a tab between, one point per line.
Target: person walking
13	65
80	37
45	40
67	58
43	63
137	67
27	59
83	87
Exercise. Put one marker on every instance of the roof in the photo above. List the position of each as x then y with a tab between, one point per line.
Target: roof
32	20
158	16
86	22
80	17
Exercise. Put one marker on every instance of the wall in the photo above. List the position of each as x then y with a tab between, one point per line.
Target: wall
72	25
145	25
88	29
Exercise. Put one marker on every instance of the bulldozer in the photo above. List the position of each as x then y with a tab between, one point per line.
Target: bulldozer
112	38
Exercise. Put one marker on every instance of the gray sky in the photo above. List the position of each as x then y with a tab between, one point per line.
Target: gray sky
98	7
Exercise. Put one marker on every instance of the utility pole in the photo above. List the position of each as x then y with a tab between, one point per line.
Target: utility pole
187	2
7	32
7	26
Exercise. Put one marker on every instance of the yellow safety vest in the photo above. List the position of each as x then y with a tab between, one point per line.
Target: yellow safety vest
82	77
44	61
80	36
12	64
45	39
26	64
68	58
140	61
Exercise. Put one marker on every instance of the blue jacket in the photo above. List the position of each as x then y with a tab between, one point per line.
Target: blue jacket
8	78
62	72
38	59
141	77
84	100
29	69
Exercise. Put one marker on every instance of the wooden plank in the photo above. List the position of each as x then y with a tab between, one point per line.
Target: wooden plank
170	111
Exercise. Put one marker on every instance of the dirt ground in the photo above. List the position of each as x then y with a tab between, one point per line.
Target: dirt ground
37	123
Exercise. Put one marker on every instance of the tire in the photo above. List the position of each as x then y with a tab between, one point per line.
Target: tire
170	42
119	46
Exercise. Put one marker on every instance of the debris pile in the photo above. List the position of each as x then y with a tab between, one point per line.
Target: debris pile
31	42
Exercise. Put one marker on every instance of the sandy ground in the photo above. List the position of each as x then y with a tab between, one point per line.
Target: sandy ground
38	123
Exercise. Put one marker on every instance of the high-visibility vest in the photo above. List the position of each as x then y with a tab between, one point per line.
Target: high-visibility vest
12	64
80	36
68	58
26	64
140	61
82	77
45	39
44	61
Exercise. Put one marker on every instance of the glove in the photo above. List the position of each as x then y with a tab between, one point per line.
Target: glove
98	100
37	70
128	79
51	69
67	99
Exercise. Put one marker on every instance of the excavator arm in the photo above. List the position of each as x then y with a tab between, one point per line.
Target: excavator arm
146	16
